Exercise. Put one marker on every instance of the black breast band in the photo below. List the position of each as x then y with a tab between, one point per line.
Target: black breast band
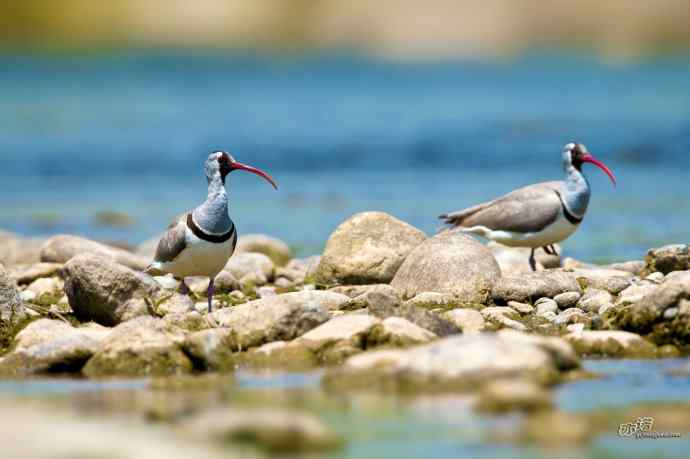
215	238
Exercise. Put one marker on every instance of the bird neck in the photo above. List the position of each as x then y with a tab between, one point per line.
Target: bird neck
212	216
576	191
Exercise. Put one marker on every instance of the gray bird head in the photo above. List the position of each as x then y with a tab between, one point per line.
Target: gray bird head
576	154
221	163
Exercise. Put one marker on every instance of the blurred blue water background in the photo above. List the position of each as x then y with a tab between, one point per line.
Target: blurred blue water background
340	134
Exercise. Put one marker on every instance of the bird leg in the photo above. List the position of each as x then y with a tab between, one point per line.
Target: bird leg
184	289
532	262
550	249
211	290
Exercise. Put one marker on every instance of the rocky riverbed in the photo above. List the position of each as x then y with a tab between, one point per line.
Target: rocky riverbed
387	322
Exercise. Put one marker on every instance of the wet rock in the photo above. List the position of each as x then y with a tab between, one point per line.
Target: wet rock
367	248
433	300
52	346
437	366
604	279
396	331
11	309
515	260
105	291
667	259
275	249
282	317
273	430
26	274
465	319
503	317
572	316
594	299
508	395
522	308
451	263
531	286
60	249
567	300
611	344
242	264
211	349
647	316
546	305
139	347
419	316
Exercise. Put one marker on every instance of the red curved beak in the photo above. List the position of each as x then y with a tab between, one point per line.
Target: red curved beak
587	158
239	166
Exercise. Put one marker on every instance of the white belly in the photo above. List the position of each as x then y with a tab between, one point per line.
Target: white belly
200	258
556	232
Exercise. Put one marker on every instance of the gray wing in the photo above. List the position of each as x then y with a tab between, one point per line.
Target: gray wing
525	210
173	240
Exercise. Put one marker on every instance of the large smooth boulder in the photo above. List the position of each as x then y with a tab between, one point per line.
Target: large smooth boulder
529	287
452	263
275	249
46	346
62	248
11	309
367	248
281	317
663	313
140	347
102	290
462	362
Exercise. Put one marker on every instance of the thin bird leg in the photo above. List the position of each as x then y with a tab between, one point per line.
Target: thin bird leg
184	289
532	262
211	290
553	249
548	249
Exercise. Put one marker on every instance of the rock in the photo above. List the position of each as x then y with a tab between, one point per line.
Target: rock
275	431
147	249
139	347
522	308
15	250
503	317
282	317
266	291
105	291
655	277
338	338
211	349
354	291
189	321
634	266
515	260
437	366
467	320
451	263
611	344
545	305
560	350
667	259
26	274
52	346
604	279
250	281
594	299
572	316
567	300
225	282
278	355
367	248
242	264
419	316
275	249
47	286
532	286
647	316
175	304
379	298
503	396
11	309
432	300
635	292
60	249
396	331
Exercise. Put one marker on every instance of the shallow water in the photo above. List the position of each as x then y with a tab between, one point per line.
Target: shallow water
341	134
440	426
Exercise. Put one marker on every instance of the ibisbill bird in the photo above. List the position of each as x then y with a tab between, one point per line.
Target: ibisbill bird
538	215
200	242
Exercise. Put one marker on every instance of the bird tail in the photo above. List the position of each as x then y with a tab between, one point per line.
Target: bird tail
458	218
